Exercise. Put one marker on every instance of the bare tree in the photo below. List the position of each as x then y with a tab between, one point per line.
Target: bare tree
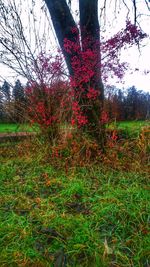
25	31
23	35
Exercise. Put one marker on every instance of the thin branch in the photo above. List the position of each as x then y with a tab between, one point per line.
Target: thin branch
147	4
135	11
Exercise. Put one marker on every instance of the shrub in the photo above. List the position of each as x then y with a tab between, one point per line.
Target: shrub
49	106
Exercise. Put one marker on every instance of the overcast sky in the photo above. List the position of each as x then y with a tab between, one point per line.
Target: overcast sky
110	25
137	59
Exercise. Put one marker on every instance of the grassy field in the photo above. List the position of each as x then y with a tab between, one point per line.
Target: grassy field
96	215
128	126
13	127
129	129
134	126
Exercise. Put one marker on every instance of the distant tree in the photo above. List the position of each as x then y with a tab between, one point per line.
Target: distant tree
1	106
18	91
130	105
5	95
1	96
114	103
6	91
118	105
147	106
19	101
143	105
121	105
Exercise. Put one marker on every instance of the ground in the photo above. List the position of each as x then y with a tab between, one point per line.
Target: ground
61	211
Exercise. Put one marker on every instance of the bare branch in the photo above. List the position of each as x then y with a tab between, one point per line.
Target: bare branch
23	36
147	4
135	11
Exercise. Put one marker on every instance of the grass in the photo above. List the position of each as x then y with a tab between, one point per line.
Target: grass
84	216
129	128
133	124
13	127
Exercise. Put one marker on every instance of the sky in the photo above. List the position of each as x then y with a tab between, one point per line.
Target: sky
111	22
136	59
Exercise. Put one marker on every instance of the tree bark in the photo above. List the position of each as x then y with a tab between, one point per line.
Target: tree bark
89	26
63	23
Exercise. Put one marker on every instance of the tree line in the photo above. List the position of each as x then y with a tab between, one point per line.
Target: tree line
12	102
120	105
130	104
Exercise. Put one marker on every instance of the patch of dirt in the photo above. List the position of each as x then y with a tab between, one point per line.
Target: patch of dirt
15	136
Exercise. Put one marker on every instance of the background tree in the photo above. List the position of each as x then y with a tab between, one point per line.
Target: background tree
2	116
137	104
131	104
6	91
19	102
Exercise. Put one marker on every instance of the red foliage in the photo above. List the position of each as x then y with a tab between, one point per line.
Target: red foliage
51	97
104	117
110	49
48	105
78	117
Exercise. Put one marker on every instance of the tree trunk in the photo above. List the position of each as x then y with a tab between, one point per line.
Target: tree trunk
89	26
63	23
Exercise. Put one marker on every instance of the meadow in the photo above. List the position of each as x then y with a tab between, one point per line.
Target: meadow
128	126
71	206
15	128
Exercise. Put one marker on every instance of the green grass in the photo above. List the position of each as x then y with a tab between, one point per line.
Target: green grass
13	127
134	126
87	217
129	128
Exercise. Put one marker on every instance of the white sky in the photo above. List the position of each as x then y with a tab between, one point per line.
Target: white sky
136	59
111	25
